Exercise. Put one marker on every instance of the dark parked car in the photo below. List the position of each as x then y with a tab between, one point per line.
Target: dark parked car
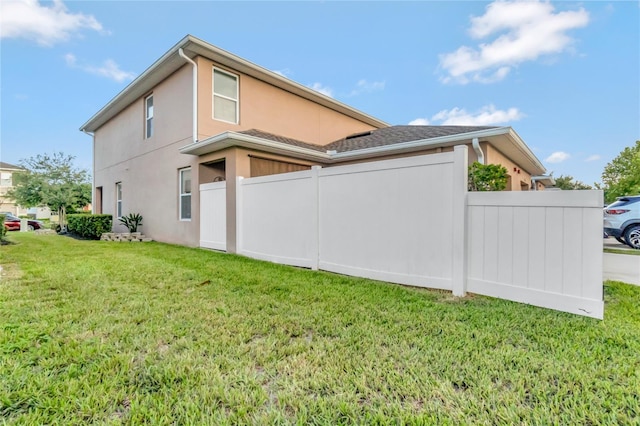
12	223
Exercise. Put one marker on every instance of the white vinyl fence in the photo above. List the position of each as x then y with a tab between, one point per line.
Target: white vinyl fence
393	220
390	220
277	218
411	221
539	247
213	215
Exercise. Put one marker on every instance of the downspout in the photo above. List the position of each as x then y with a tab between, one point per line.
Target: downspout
476	147
195	93
93	163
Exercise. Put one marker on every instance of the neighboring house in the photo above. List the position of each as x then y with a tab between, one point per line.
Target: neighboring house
6	183
39	212
200	114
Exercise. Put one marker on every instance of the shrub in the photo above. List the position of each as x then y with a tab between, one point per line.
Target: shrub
3	230
89	225
132	221
487	177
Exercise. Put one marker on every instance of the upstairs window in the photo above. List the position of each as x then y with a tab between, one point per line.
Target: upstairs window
148	126
225	96
119	199
5	179
185	194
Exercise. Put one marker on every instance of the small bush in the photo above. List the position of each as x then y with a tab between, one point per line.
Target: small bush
132	221
487	177
3	230
89	225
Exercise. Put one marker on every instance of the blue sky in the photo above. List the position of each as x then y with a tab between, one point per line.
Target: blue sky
565	75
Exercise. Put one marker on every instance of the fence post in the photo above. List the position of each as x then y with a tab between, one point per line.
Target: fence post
239	204
460	188
315	219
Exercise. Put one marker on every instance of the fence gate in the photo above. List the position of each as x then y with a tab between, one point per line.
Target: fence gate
213	215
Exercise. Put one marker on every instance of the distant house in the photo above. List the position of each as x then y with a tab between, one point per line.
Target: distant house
200	114
6	183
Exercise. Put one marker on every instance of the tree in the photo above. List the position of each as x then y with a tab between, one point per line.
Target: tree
487	177
622	175
568	183
52	181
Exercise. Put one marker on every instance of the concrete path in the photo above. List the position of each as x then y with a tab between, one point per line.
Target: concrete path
621	267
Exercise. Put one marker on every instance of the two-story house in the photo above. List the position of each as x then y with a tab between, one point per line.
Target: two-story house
200	114
6	183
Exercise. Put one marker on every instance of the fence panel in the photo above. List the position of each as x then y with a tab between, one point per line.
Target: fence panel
542	248
389	220
277	218
213	215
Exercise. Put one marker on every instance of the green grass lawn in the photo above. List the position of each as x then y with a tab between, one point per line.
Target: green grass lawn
622	251
148	333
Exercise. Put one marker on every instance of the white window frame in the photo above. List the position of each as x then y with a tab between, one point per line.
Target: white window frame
214	95
181	194
148	118
6	179
118	200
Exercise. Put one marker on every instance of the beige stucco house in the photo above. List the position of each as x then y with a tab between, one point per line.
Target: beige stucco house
6	183
200	114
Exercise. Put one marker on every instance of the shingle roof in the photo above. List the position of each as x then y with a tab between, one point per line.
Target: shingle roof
277	138
4	165
374	138
398	134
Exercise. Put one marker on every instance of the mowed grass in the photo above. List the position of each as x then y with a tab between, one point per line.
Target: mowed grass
622	251
123	333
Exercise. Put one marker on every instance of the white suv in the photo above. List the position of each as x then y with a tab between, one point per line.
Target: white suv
622	220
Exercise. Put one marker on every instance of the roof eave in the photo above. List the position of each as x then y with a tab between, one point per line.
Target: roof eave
524	157
538	168
228	139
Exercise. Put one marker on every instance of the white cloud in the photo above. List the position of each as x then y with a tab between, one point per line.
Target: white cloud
486	116
70	59
108	69
419	122
557	157
46	25
523	30
364	86
318	87
594	157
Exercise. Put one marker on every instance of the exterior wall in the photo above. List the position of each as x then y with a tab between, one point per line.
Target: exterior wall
271	109
519	179
148	168
6	204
